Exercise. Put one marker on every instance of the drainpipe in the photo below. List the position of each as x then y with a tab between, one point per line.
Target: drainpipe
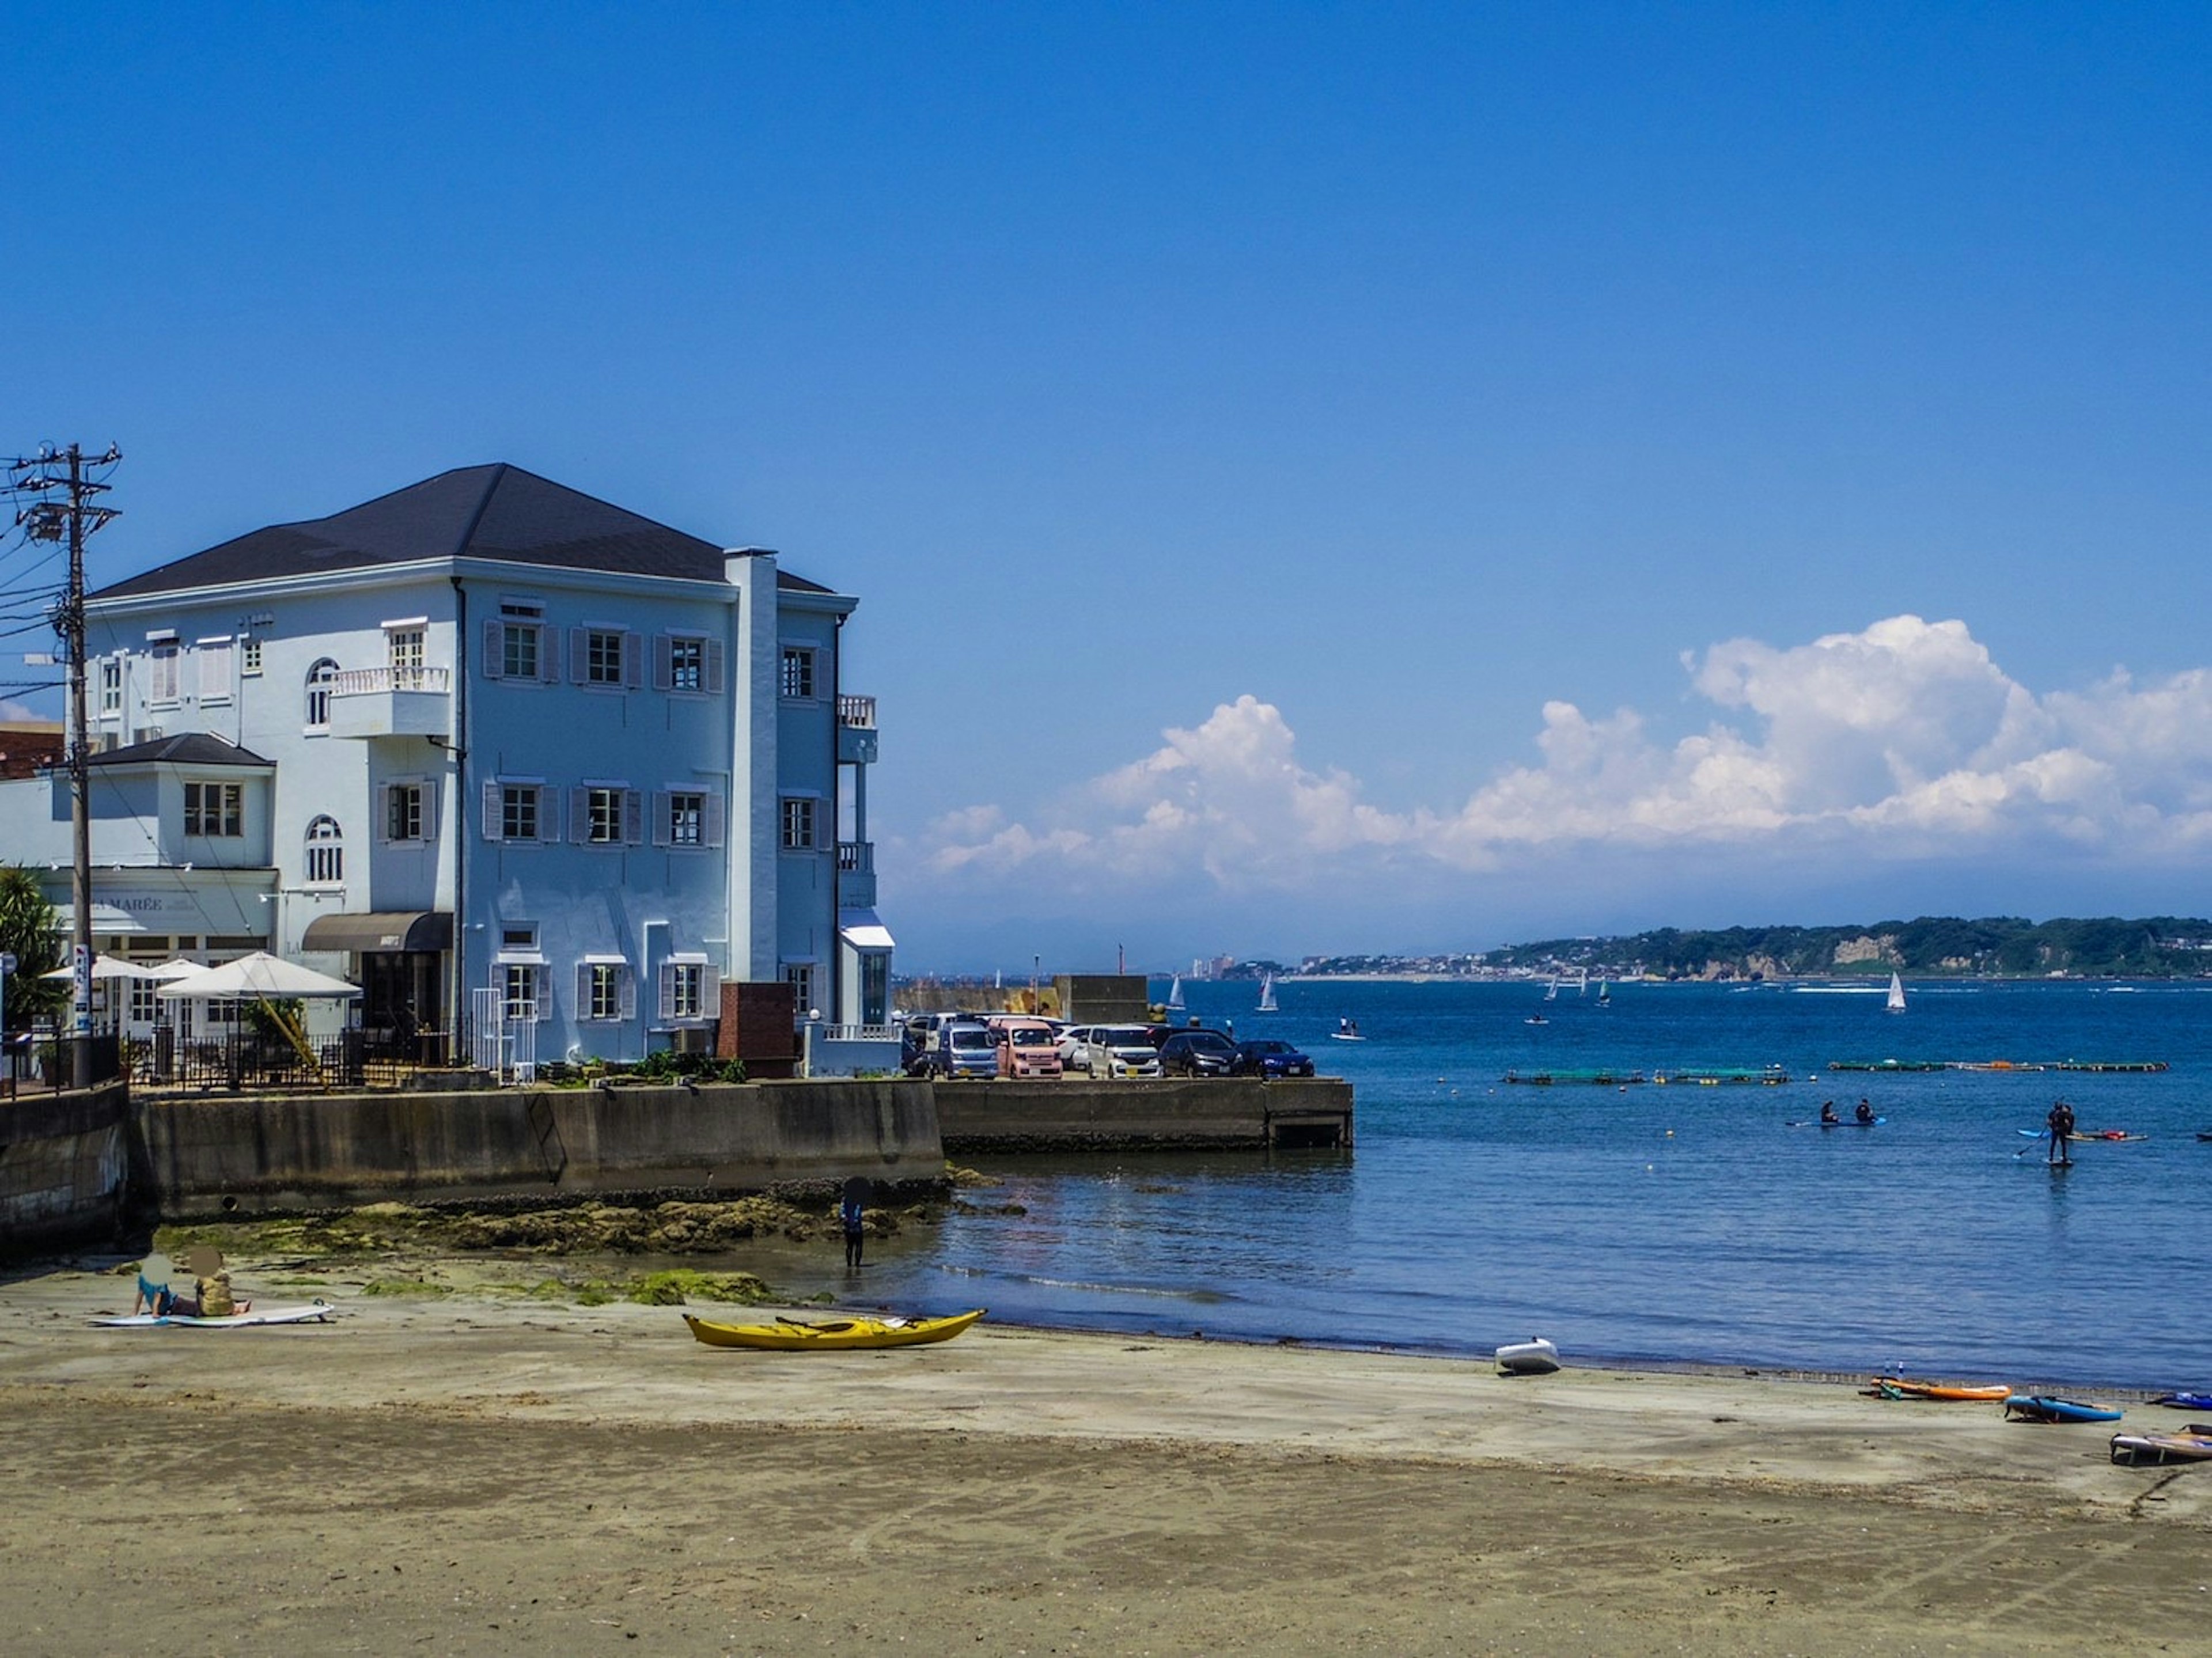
836	817
459	750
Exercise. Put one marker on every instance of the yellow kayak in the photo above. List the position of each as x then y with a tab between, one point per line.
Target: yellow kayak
791	1335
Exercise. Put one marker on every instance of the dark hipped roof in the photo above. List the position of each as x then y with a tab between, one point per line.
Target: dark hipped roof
186	748
497	512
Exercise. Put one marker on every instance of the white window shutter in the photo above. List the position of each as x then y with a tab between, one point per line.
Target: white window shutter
383	809
664	662
713	668
632	818
430	811
491	812
549	816
583	990
633	660
663	833
495	655
549	655
667	990
579	816
628	980
710	828
578	655
543	981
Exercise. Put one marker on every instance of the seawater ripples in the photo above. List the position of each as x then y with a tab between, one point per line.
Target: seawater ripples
1659	1223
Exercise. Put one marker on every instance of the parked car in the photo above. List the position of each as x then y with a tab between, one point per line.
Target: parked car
1025	1045
1266	1057
966	1049
1116	1050
1196	1054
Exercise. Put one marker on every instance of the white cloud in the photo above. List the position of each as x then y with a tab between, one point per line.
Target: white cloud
13	711
1904	741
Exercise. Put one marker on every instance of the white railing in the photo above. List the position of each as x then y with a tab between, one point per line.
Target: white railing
506	1047
856	858
859	1033
857	711
371	681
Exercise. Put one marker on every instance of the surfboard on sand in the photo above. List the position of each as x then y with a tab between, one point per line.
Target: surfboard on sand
315	1312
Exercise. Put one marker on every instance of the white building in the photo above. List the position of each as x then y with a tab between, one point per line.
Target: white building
492	748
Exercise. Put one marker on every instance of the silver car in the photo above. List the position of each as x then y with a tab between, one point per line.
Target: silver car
1118	1050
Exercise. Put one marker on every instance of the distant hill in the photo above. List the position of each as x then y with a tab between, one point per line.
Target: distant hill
2162	946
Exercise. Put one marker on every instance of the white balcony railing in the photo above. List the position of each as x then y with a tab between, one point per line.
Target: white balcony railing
856	858
858	711
374	682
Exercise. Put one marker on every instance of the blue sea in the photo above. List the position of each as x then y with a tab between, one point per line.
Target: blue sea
1656	1224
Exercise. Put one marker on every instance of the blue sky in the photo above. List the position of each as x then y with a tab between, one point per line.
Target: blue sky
1317	477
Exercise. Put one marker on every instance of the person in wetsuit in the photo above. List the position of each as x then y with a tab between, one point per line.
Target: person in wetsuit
1828	1112
2061	1122
1866	1112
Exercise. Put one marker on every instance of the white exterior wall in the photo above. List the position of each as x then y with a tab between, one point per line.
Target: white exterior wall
746	908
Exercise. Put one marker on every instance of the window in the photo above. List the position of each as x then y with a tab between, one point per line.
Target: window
605	815
405	810
875	987
111	688
604	657
249	657
517	650
799	975
145	1009
165	662
606	991
325	850
518	811
215	655
684	987
403	646
214	809
517	986
687	816
797	671
688	664
798	824
319	680
516	645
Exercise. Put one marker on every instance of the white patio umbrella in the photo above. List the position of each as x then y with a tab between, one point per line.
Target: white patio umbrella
172	969
107	968
257	975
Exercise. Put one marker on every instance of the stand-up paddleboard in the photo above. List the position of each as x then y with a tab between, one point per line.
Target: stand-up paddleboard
316	1312
1846	1122
2042	1407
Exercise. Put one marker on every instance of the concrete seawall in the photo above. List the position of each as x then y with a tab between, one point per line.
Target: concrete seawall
245	1156
63	1162
1213	1114
70	1166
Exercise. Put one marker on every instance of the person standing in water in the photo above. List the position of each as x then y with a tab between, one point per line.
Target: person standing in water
2061	1121
856	1230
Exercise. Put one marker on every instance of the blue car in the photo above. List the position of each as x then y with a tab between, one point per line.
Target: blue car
1266	1058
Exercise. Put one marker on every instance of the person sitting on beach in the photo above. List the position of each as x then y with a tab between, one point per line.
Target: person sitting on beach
1866	1112
1828	1112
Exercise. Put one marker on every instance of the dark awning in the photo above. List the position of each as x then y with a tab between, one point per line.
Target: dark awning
401	929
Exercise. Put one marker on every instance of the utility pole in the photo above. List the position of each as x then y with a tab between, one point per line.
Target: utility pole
62	511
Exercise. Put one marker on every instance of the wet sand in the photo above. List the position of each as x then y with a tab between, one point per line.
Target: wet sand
495	1476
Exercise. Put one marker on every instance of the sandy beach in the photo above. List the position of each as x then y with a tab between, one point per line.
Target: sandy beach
488	1475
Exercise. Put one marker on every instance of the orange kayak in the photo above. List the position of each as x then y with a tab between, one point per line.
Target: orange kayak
1891	1387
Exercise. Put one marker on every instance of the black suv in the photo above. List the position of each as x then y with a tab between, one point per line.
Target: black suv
1196	1054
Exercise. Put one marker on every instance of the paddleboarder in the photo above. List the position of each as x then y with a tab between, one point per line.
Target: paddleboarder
2060	1123
1866	1112
1828	1113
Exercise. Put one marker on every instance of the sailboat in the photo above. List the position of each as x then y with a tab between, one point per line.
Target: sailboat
1175	995
1896	1002
1604	994
1552	990
1267	993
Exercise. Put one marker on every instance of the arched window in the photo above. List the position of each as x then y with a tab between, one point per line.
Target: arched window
325	850
318	693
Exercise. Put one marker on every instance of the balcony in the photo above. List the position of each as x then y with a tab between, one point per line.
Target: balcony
856	731
367	702
856	874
